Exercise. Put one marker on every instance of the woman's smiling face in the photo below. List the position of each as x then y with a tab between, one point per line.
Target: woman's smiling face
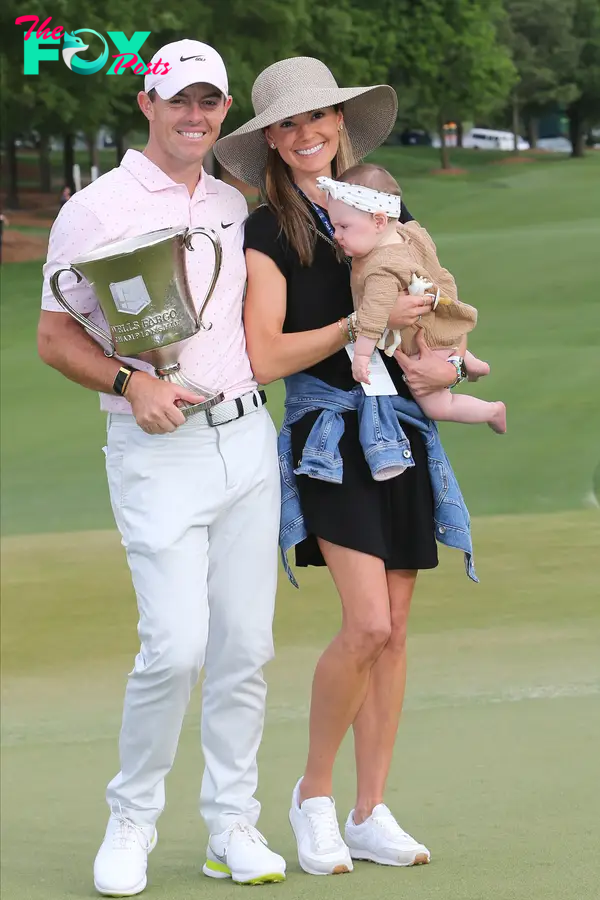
307	142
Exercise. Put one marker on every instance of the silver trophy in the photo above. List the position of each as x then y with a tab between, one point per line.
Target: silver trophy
142	287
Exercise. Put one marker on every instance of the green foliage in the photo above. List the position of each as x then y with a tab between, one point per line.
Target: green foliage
359	40
543	47
443	51
556	48
453	59
449	59
586	69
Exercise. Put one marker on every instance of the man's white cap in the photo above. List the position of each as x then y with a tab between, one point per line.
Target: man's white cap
190	62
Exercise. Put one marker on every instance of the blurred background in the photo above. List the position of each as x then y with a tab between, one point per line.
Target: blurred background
497	151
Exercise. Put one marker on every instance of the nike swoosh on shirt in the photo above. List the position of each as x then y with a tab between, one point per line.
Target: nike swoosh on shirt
228	225
185	58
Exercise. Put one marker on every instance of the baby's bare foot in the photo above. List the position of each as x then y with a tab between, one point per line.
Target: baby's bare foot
498	421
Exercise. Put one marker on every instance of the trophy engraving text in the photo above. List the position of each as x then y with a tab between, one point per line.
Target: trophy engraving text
146	327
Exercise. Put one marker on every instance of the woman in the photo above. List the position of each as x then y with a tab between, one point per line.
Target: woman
298	320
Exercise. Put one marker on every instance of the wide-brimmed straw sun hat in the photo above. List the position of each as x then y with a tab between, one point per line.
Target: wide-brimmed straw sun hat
298	85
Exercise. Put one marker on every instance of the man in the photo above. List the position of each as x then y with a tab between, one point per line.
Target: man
197	504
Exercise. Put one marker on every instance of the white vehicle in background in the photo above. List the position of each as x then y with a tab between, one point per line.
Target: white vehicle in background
555	144
489	139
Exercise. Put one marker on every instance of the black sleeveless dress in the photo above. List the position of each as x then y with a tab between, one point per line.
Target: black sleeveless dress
391	519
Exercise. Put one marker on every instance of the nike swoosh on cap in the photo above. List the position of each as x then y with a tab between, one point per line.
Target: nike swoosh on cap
185	58
228	225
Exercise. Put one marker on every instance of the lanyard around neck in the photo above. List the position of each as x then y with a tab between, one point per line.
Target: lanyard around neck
320	212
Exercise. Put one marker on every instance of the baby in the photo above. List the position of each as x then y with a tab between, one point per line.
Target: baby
364	208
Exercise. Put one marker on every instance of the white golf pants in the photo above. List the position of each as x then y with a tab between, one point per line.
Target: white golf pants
198	511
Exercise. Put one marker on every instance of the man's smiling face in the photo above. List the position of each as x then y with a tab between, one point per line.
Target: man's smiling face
187	125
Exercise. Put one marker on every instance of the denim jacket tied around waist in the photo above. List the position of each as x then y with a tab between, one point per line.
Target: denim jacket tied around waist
385	446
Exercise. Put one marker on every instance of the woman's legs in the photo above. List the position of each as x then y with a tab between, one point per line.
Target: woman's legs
342	675
372	832
376	723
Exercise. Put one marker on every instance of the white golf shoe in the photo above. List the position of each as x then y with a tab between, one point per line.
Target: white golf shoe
381	840
321	850
122	860
241	853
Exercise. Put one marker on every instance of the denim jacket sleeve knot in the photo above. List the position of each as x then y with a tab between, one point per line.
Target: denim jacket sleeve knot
386	449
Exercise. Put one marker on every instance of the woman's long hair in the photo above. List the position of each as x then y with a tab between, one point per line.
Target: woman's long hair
295	220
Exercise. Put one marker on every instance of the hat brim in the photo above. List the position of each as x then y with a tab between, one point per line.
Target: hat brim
167	90
369	116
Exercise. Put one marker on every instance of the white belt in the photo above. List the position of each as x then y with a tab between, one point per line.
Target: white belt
230	410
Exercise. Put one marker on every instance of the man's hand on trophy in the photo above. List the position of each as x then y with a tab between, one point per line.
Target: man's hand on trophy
154	403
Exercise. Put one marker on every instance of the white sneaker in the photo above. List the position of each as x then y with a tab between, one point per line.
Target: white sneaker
122	860
241	853
380	839
321	850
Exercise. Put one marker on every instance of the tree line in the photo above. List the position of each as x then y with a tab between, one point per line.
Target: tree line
449	60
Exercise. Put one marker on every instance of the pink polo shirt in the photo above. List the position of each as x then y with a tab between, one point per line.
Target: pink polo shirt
138	197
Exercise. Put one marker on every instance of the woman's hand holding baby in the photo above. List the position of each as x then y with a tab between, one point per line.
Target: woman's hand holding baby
426	372
407	310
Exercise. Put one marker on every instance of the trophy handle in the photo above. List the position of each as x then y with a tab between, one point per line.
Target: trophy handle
89	326
216	242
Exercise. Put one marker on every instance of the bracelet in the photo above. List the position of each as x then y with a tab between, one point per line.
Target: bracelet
347	325
461	371
343	326
352	327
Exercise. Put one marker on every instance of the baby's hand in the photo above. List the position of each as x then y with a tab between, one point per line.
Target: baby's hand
360	368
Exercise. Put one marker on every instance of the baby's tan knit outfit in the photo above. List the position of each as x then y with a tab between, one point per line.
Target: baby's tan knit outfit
378	278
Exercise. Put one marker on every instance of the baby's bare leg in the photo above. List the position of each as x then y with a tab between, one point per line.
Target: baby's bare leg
444	406
475	367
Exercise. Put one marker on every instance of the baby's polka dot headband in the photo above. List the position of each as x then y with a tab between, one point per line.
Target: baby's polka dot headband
364	198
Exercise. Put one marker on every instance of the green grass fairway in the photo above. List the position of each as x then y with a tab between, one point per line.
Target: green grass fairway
496	763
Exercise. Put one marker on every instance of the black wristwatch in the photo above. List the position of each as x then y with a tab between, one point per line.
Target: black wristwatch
122	380
461	370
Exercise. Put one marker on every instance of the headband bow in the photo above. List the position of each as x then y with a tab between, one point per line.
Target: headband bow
364	198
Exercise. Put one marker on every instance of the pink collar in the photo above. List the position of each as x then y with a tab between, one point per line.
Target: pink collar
153	178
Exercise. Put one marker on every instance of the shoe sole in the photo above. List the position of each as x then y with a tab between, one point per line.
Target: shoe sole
421	859
131	893
342	869
220	870
138	888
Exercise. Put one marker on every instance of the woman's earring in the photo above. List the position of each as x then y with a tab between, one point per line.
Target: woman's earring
272	145
341	126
